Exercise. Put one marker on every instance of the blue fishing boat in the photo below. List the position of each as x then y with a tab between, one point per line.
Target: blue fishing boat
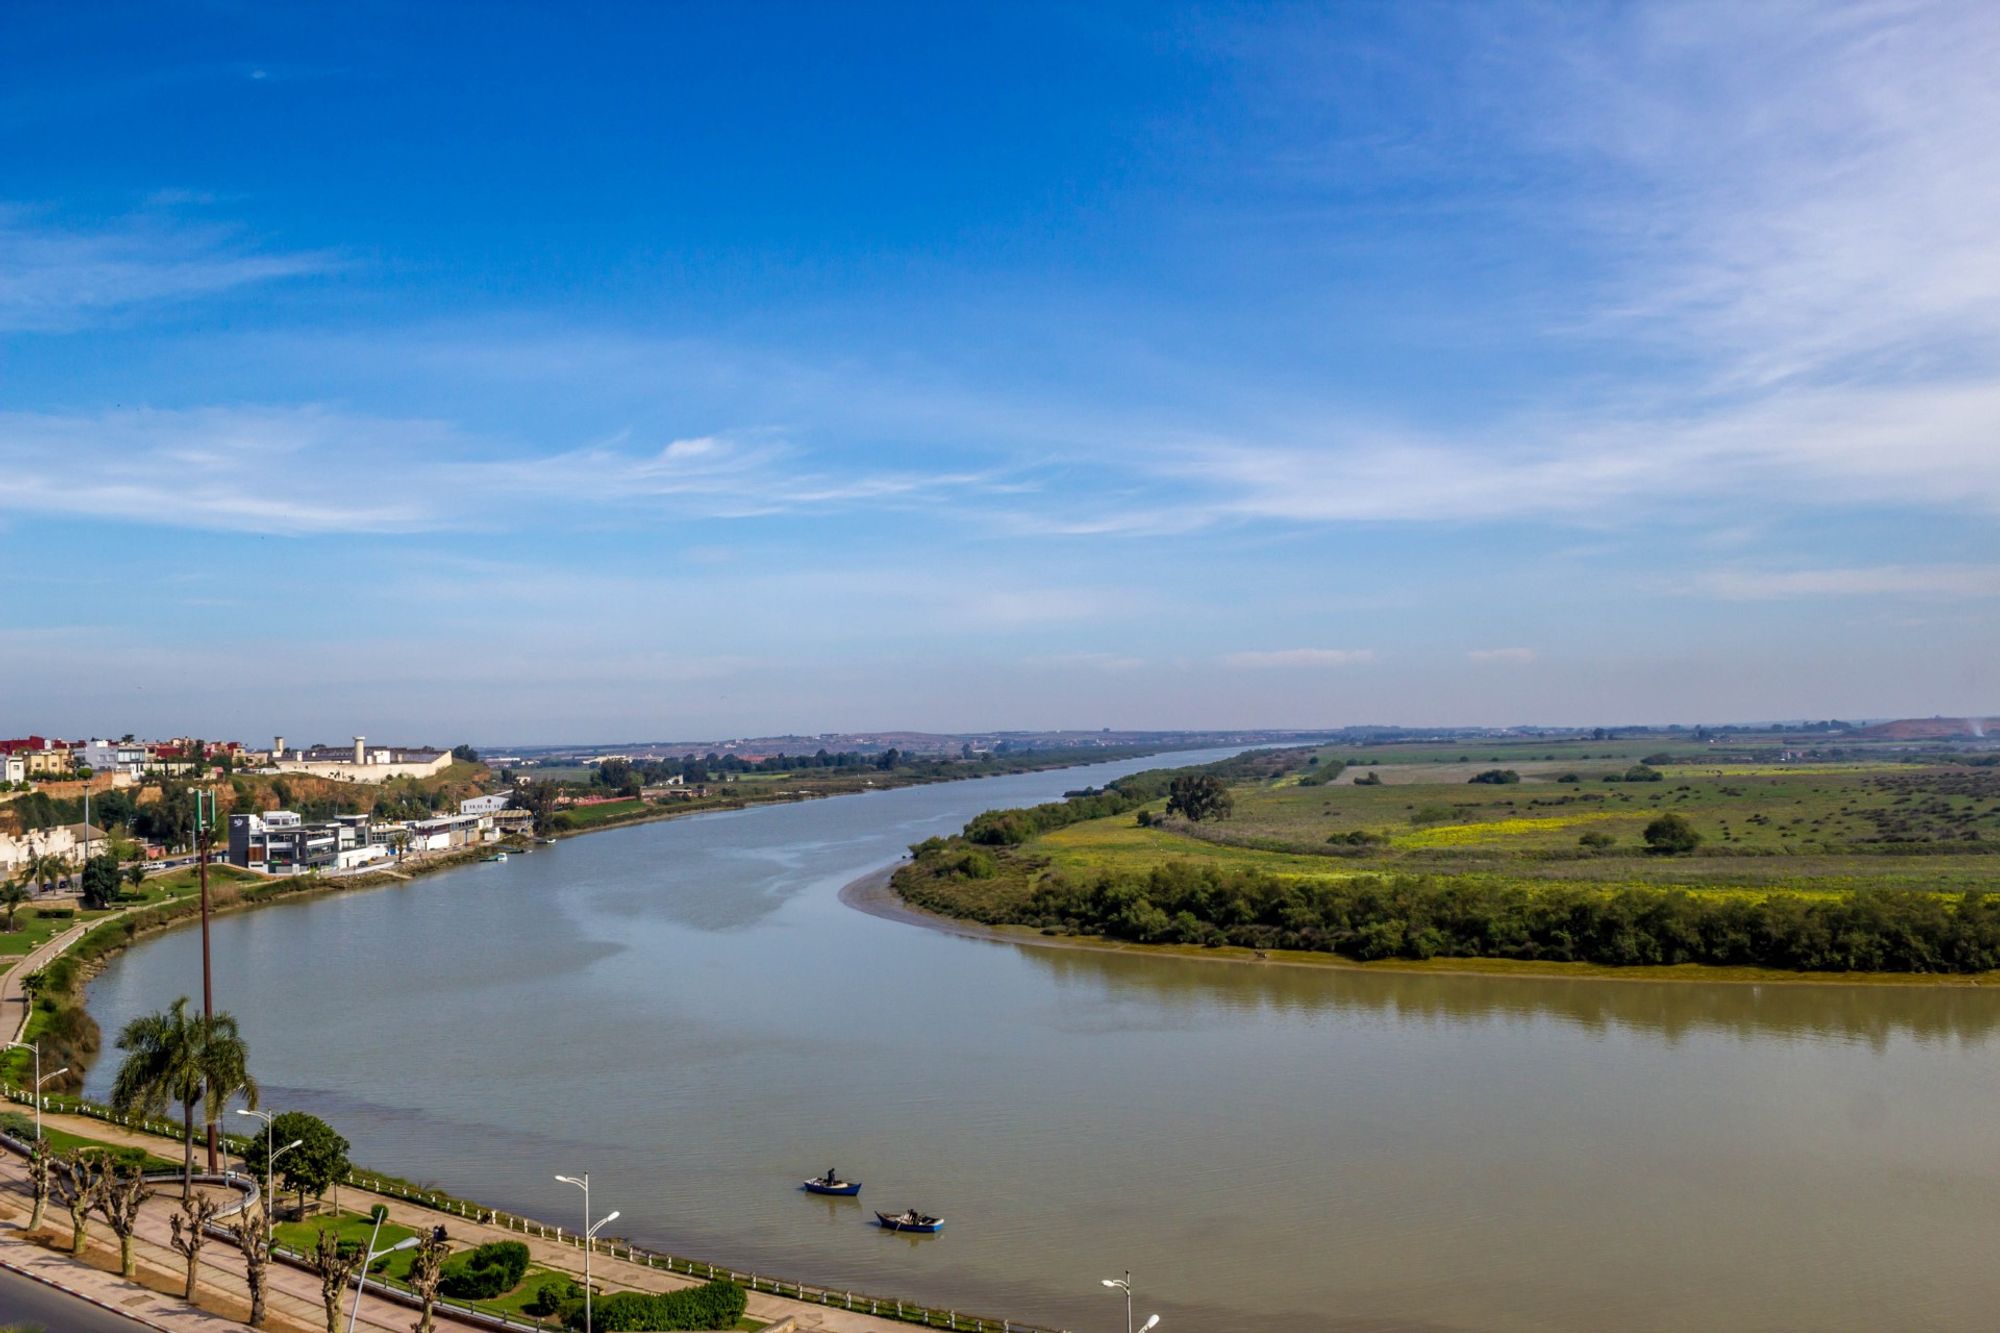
911	1220
831	1183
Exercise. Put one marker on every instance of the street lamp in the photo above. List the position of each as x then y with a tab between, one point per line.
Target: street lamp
270	1162
590	1230
361	1279
40	1079
1124	1284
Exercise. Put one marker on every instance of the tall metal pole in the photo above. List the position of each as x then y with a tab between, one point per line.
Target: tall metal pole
207	973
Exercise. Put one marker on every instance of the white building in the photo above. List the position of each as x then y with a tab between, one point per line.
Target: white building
13	768
484	805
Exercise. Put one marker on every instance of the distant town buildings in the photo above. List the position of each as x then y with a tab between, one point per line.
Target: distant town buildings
41	757
360	762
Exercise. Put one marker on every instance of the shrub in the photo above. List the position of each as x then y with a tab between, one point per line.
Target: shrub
1569	777
1433	814
553	1295
1496	777
713	1305
1370	779
55	913
1596	840
1671	835
1642	773
488	1271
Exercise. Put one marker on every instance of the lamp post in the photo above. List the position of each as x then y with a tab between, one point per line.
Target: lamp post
1124	1284
590	1230
361	1278
270	1162
40	1079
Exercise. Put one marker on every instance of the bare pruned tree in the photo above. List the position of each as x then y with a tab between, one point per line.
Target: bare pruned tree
191	1233
41	1166
336	1262
125	1190
248	1233
426	1272
79	1182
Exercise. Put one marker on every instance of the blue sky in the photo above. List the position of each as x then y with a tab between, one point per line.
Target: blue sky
530	373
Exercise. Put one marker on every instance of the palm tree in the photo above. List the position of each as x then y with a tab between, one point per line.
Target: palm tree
173	1057
12	894
46	868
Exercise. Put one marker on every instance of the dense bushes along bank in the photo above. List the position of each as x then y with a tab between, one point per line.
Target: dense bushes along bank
1371	917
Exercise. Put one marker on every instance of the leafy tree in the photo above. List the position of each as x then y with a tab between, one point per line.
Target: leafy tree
465	754
1199	796
175	1056
312	1168
1671	835
101	878
12	894
191	1233
135	876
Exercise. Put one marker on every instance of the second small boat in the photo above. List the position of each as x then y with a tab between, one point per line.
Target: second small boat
912	1220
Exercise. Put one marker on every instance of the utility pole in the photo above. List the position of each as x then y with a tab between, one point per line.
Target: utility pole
207	974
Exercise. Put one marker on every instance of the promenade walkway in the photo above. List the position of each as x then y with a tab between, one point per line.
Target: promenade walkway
608	1272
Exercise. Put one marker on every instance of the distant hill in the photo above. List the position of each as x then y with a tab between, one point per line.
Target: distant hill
1932	729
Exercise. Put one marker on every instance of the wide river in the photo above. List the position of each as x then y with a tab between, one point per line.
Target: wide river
687	1011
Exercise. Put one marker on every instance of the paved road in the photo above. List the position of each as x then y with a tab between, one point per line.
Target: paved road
24	1300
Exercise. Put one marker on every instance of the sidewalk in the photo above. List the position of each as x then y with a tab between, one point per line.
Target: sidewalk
292	1295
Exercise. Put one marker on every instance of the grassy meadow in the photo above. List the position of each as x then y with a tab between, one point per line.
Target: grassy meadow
1546	857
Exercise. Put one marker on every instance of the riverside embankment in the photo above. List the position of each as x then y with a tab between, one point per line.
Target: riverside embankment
689	1011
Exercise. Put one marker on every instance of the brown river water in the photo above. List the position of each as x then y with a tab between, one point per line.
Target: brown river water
688	1011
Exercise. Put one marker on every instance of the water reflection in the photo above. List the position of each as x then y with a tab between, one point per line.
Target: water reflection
1162	987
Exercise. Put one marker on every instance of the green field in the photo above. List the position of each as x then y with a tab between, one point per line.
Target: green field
1456	864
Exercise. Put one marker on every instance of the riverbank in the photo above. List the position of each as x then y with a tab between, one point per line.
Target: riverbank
876	895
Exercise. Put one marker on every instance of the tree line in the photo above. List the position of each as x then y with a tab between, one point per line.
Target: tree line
1418	917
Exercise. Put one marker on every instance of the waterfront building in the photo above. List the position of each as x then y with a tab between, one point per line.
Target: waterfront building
281	842
484	805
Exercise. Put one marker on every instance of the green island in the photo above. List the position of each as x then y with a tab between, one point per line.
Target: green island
1577	855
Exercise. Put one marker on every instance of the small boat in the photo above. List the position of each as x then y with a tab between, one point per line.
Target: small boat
497	856
830	1183
912	1220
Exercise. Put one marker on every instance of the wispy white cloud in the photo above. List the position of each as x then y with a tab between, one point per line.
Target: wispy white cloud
56	277
1938	581
312	470
1299	657
1506	656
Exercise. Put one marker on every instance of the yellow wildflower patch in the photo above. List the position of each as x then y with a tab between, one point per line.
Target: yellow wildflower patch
1461	835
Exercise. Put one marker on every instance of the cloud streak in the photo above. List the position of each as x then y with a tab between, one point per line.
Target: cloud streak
57	279
1298	658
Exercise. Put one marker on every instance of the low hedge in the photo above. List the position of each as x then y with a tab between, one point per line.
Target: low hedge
489	1270
713	1305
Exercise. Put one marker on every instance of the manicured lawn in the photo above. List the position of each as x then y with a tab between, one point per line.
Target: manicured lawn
356	1228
